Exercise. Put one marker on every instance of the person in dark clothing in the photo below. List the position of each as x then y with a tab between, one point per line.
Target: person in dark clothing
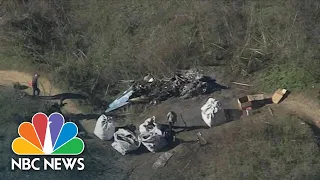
35	88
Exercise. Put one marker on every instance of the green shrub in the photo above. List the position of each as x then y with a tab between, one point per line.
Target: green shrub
286	76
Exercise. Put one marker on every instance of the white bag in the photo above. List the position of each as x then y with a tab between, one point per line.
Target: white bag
153	140
143	127
125	141
210	110
105	127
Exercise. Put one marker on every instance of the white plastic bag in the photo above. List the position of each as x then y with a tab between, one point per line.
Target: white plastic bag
153	140
125	141
151	136
144	126
209	111
105	127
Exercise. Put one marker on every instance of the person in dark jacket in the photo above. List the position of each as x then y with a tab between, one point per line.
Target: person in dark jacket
35	88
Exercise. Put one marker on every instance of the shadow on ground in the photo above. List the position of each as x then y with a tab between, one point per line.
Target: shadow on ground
315	131
257	104
212	85
62	96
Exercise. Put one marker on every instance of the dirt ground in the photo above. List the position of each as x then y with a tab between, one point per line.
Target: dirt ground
190	160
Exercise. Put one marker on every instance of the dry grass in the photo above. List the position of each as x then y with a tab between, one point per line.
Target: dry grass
92	44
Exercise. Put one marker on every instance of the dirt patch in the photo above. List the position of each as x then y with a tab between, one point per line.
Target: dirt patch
10	76
302	106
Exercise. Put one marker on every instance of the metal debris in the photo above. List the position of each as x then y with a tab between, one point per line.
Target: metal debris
184	84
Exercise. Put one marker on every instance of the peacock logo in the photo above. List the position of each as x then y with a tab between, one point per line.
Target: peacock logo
48	136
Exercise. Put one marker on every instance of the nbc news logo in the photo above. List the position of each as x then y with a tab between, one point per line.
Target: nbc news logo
48	136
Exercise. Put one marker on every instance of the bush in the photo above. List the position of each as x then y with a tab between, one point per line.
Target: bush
286	76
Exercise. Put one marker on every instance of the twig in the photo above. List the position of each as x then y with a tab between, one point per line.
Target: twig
242	84
294	20
256	51
106	93
76	56
218	46
82	53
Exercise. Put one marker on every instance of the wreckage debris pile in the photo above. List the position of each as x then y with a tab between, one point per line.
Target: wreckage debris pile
185	84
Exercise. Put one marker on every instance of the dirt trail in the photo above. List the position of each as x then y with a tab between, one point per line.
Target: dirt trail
303	107
7	77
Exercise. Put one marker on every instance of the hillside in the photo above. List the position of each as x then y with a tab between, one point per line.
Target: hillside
89	46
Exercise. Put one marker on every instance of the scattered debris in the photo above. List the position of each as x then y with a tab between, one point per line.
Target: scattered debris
200	139
209	111
278	95
162	160
120	101
184	84
125	141
251	102
141	99
105	127
148	78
